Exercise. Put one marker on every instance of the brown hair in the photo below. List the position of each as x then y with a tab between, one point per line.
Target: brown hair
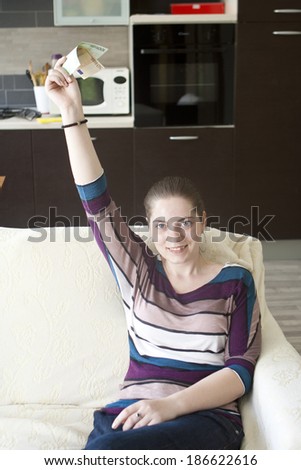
174	186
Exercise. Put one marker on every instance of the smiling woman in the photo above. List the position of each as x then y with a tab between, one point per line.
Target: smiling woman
193	326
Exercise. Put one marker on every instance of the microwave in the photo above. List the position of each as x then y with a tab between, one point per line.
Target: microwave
106	92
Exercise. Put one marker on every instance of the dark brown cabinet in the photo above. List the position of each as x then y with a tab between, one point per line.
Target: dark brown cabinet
268	10
268	121
39	189
115	150
57	200
17	194
205	155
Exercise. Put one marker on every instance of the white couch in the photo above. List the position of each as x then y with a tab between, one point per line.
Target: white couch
63	343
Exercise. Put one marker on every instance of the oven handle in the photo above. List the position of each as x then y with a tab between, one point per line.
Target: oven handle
205	49
288	10
183	137
287	33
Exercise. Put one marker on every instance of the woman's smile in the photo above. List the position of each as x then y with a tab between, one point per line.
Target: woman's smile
177	249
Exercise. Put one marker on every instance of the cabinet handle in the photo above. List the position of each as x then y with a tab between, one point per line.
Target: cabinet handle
93	138
288	10
183	137
2	179
287	33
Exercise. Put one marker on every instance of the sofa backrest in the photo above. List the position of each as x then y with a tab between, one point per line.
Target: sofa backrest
63	338
62	331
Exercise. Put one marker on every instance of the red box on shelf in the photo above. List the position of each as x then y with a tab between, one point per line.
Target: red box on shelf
197	8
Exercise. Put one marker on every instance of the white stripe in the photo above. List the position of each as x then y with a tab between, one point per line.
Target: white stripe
178	340
147	349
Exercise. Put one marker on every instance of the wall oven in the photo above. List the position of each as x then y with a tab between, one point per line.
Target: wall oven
183	73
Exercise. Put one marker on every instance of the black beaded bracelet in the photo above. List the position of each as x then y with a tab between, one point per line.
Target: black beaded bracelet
77	123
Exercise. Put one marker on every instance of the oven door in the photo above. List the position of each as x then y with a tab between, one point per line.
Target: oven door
183	74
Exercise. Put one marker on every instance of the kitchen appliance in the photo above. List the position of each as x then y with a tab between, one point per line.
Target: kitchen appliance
183	72
107	92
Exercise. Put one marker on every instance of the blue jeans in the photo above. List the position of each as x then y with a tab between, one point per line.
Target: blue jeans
197	431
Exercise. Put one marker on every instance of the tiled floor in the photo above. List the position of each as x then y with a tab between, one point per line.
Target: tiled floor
283	296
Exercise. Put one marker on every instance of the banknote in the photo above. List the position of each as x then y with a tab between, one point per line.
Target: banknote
83	60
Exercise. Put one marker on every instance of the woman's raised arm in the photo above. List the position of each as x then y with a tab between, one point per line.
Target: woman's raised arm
63	90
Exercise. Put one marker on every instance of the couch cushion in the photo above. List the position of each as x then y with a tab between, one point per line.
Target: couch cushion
61	319
44	427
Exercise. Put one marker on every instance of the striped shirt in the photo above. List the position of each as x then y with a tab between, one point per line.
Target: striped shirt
175	340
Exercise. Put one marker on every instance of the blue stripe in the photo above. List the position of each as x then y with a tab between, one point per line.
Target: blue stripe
171	363
230	273
243	374
241	273
90	191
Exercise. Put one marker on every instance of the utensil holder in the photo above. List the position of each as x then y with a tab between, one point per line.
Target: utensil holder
42	101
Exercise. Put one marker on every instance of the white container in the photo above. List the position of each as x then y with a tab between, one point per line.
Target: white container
42	101
231	7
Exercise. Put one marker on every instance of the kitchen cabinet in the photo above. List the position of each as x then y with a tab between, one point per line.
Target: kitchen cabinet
268	10
205	155
57	200
268	120
115	150
17	193
90	12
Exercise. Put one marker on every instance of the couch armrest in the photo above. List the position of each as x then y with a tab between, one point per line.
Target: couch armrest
272	412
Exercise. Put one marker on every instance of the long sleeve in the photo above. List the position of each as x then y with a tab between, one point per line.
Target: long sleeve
244	340
123	249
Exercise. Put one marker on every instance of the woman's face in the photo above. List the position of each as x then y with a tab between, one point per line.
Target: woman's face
176	229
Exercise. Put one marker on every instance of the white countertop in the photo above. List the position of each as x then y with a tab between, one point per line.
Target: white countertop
94	122
166	19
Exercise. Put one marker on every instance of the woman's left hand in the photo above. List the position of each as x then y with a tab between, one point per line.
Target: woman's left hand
146	413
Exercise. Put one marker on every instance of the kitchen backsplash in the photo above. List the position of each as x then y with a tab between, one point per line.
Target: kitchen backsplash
25	13
16	91
27	33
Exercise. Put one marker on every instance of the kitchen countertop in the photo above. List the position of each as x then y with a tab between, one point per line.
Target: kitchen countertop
94	122
166	18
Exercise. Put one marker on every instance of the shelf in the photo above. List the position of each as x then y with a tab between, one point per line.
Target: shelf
167	19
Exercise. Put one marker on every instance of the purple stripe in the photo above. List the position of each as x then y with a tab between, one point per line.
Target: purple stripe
148	371
98	204
217	291
111	410
239	332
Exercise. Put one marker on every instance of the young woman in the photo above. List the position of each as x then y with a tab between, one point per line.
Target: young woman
193	326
